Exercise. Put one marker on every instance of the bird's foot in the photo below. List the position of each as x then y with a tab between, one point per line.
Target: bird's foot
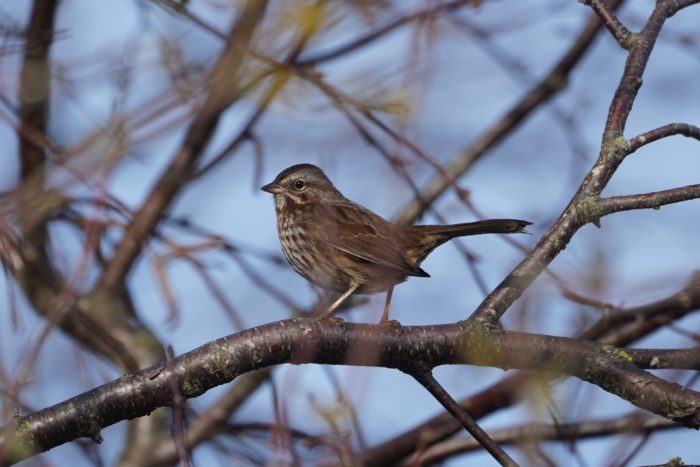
334	319
391	323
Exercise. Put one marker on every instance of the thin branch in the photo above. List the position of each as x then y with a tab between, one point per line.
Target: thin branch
612	152
686	359
554	82
378	33
537	432
672	129
428	381
653	200
607	16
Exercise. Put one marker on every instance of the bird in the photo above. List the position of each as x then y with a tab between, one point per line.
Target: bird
343	247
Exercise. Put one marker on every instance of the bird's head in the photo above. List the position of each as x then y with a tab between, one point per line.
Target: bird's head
301	184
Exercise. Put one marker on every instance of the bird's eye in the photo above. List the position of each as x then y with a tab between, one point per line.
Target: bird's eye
299	185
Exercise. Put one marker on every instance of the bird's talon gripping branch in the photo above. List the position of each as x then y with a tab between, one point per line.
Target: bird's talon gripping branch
391	323
335	320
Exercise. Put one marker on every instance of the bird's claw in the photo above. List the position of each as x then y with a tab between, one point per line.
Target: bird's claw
334	319
390	322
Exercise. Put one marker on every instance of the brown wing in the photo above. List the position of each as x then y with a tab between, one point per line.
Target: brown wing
369	237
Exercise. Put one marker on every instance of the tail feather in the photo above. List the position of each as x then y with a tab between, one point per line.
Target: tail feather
432	236
502	226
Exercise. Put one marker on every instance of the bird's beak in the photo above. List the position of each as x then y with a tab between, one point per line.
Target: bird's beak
273	188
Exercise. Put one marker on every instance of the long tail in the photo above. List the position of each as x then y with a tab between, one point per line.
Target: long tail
432	236
474	228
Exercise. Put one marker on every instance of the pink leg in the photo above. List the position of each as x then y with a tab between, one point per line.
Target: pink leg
387	305
338	302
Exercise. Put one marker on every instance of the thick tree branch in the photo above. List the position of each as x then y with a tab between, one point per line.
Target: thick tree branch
35	86
618	327
332	341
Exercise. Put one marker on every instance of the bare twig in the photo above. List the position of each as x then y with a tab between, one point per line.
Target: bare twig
426	379
629	424
653	200
610	20
672	129
376	34
613	151
554	82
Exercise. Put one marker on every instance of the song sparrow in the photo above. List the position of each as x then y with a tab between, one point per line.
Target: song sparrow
343	247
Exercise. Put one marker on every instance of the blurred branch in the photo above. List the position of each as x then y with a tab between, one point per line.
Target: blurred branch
554	82
32	205
279	79
332	341
635	423
181	9
370	37
223	91
116	314
623	327
213	420
35	84
178	411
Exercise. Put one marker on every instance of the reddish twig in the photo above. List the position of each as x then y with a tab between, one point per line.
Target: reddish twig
672	129
610	20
